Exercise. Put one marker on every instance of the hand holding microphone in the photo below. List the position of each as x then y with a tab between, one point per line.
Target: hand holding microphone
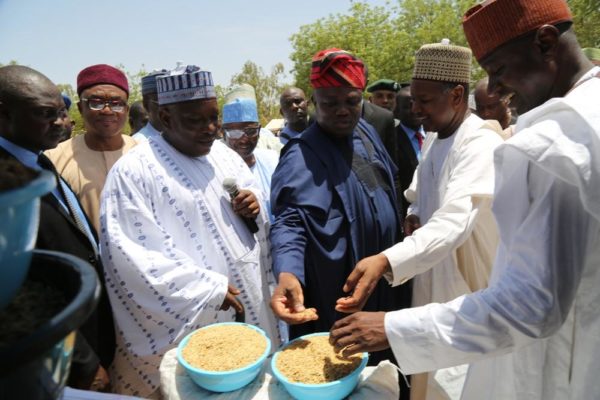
244	203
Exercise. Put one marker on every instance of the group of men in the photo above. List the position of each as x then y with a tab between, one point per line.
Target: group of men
469	261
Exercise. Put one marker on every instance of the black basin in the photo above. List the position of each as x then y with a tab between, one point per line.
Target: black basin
37	366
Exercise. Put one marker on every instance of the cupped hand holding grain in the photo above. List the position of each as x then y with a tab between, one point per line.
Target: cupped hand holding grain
359	332
287	301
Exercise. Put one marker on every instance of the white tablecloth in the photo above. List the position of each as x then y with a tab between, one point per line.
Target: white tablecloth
380	382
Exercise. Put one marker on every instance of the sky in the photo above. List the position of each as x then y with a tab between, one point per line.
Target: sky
61	37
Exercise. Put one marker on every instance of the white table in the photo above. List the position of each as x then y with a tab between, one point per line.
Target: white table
380	382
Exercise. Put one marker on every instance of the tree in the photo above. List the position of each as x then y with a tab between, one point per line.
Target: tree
386	38
586	17
268	88
367	31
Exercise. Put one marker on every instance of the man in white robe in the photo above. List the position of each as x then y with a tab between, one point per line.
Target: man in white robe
178	251
452	235
533	333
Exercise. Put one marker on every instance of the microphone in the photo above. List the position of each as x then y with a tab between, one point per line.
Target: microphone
231	187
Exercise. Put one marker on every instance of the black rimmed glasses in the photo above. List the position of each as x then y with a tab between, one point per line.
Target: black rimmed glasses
251	132
99	104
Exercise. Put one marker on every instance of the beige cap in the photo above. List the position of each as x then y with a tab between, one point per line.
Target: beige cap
443	62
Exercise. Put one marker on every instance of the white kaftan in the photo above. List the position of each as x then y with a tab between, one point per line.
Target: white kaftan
453	251
171	243
534	333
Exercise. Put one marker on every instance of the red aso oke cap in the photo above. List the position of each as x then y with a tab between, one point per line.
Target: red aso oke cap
495	22
101	74
337	68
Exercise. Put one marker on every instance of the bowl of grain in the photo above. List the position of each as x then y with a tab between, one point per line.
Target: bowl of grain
309	368
224	357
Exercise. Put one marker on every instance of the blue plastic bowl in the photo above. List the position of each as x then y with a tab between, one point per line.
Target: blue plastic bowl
19	221
224	381
326	391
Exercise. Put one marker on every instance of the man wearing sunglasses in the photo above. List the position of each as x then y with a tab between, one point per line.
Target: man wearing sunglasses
84	160
241	132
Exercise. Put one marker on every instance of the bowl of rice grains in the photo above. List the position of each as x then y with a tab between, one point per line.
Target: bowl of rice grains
224	357
20	191
309	368
38	327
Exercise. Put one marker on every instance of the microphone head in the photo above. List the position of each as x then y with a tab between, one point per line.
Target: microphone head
230	185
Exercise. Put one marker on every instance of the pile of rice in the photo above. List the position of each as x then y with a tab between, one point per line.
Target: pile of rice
35	304
224	348
314	360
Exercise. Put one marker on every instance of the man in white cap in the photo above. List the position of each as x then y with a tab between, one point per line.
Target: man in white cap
451	235
180	254
533	333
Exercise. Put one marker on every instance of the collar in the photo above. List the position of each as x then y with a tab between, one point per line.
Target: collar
25	157
412	132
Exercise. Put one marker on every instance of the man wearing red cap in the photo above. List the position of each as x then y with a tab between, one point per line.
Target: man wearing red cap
84	161
533	333
334	202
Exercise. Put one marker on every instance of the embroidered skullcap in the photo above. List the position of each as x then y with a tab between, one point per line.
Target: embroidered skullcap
241	91
592	54
383	84
240	110
67	101
185	83
149	81
494	22
101	74
443	62
337	68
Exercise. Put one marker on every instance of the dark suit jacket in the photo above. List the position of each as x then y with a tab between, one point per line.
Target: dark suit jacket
406	160
96	337
383	122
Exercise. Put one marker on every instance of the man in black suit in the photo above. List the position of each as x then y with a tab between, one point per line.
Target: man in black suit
406	147
32	119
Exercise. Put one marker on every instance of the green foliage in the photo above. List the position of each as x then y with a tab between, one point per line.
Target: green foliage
586	21
386	38
268	88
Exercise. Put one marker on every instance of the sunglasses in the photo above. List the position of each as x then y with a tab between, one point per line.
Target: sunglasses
238	133
99	104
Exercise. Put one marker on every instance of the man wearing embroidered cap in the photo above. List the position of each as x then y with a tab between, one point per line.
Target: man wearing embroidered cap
84	160
533	333
334	202
180	255
451	233
150	102
383	93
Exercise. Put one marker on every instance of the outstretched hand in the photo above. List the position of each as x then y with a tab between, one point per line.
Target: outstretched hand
361	282
287	301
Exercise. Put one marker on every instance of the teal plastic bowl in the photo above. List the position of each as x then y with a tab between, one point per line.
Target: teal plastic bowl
19	221
225	381
335	390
